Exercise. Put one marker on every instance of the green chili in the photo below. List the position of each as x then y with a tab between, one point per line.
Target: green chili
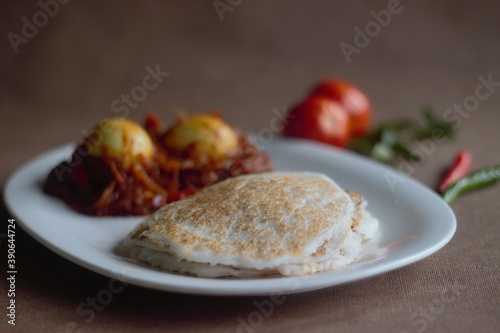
476	180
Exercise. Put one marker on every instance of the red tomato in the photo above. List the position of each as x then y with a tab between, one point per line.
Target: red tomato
353	99
319	119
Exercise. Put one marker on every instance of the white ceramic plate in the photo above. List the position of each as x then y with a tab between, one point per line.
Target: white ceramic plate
414	223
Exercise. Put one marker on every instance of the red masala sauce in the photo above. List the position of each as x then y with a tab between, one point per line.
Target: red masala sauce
102	186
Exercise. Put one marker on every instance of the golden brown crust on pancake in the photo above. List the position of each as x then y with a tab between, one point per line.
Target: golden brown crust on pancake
253	221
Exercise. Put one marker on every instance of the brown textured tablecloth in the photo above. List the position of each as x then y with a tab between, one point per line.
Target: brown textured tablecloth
246	58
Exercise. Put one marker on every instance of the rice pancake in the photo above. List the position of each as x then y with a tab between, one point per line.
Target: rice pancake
289	223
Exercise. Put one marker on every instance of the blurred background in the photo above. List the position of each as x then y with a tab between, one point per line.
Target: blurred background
244	58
